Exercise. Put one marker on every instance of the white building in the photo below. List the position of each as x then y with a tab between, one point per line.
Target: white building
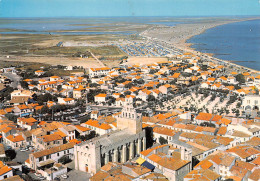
99	71
41	159
251	102
100	98
5	171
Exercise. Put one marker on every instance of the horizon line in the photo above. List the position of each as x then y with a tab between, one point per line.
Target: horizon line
131	16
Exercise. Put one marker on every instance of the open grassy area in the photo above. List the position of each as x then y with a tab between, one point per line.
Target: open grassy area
23	65
33	66
111	63
107	51
27	45
42	48
71	51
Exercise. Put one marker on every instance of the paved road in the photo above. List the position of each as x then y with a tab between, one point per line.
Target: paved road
77	175
15	79
20	156
105	107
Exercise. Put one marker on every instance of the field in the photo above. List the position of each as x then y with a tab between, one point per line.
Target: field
33	66
84	62
28	48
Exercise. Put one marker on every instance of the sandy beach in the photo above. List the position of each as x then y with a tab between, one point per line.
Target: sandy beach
44	48
179	34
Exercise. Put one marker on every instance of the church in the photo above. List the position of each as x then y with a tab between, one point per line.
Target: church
119	146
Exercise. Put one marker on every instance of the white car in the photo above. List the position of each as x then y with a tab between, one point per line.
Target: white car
38	175
64	176
41	178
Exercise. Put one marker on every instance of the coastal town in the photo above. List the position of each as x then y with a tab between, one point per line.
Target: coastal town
161	114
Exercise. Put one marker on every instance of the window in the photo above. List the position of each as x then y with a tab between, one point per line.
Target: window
5	176
48	156
58	154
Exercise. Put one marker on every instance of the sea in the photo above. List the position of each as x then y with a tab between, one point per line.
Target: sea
238	42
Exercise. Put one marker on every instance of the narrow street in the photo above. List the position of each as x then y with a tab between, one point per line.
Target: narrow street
15	79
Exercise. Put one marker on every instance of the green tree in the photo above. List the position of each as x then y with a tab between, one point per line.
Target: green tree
162	140
45	109
238	105
10	154
150	98
59	88
240	78
24	84
208	124
129	85
64	159
227	111
237	113
127	93
6	94
11	117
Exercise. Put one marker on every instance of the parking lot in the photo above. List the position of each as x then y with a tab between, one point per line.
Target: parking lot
67	115
147	49
77	175
21	156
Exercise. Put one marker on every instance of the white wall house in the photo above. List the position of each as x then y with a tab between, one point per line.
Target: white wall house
99	71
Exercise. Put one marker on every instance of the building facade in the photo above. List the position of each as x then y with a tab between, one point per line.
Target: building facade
118	146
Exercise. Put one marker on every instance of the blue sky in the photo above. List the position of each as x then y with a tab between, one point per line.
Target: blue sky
62	8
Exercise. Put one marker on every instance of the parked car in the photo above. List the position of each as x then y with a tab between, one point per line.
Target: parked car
64	176
41	178
74	120
38	174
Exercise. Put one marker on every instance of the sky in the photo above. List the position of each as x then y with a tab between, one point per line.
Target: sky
107	8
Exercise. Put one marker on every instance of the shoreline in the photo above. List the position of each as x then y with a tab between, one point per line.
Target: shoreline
181	43
211	55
